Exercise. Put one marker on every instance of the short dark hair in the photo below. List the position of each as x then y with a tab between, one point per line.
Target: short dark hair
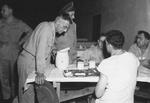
66	16
115	38
9	4
102	34
146	34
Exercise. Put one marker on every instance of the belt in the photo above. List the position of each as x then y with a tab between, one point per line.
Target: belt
27	52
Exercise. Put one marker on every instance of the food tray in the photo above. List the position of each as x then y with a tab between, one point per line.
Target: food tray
81	73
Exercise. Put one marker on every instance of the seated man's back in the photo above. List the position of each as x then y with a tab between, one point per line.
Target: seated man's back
121	72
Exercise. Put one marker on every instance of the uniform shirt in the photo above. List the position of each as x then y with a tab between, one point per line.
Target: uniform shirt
40	44
10	34
69	39
137	52
121	71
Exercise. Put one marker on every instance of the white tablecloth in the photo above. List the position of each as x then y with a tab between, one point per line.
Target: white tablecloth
56	75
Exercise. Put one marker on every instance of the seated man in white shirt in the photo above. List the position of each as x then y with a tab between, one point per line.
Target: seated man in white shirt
141	49
118	73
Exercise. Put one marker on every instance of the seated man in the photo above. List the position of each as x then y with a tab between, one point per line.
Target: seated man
141	49
92	53
118	73
95	52
102	45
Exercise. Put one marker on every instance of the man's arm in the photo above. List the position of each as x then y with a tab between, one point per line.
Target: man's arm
26	32
101	85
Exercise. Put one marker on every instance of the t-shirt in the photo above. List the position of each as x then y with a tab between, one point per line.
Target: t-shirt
121	71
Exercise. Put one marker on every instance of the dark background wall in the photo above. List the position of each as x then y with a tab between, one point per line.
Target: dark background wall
92	16
35	11
129	16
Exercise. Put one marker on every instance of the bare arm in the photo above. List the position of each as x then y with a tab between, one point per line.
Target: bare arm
101	85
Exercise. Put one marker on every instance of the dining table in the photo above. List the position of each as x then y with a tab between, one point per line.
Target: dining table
56	76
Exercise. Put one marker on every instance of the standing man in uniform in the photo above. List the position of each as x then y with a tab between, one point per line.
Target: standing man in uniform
141	49
37	52
13	33
69	39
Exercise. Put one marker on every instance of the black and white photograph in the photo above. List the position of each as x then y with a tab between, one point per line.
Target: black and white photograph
74	51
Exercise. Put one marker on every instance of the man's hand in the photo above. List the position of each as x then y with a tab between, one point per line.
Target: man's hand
40	78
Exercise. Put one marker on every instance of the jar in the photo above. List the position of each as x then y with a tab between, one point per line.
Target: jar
92	64
62	59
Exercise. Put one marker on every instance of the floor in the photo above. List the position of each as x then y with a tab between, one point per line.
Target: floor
83	100
138	97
